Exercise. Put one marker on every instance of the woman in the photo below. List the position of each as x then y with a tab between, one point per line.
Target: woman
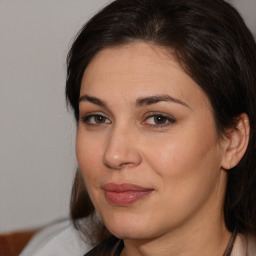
163	92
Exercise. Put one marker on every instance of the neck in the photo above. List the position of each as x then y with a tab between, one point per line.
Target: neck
207	238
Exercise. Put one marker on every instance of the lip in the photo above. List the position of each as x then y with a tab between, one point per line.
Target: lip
125	194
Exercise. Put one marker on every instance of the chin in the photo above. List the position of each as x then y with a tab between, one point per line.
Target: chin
128	227
128	233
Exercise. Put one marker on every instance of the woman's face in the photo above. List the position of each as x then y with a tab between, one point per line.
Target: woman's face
147	144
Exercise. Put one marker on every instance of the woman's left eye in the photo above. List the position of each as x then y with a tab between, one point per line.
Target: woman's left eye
159	120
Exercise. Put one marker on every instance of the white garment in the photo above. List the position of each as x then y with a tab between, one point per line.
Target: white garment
244	246
59	239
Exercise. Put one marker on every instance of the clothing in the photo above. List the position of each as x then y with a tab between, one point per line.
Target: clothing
243	246
110	247
57	239
61	239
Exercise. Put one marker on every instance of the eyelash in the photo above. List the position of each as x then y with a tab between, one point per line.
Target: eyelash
86	119
167	120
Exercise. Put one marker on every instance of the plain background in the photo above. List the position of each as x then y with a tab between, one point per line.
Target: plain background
37	134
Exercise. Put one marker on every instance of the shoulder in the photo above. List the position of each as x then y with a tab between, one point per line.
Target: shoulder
57	239
245	245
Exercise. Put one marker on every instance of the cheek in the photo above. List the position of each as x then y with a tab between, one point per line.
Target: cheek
88	156
186	157
89	160
187	171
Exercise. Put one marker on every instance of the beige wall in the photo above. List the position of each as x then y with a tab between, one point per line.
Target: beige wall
248	10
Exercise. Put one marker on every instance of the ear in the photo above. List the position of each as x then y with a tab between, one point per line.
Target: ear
236	142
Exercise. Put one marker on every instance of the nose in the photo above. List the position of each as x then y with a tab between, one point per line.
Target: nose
121	150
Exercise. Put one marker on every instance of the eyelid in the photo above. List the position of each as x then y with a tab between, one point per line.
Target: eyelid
171	120
168	119
84	118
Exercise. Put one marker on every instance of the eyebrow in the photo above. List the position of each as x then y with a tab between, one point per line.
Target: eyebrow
93	100
143	101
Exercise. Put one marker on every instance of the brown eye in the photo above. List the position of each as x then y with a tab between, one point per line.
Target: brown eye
99	119
159	120
95	120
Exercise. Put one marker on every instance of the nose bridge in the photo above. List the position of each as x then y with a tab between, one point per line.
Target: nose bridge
121	148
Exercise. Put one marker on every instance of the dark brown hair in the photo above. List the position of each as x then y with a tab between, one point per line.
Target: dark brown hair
214	47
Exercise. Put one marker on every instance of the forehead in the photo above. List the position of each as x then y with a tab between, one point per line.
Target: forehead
138	70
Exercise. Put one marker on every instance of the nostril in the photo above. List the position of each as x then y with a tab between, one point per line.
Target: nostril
119	161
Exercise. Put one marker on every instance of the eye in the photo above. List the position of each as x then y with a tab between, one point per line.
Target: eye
159	120
95	119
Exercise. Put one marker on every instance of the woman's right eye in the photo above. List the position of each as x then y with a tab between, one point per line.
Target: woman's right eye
95	119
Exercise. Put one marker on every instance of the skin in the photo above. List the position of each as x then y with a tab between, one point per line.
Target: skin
170	146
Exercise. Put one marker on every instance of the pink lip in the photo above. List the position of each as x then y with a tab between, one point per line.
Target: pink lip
125	194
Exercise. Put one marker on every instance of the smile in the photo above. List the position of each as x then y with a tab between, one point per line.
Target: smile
125	194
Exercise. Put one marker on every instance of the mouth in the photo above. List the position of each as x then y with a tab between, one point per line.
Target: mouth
125	194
